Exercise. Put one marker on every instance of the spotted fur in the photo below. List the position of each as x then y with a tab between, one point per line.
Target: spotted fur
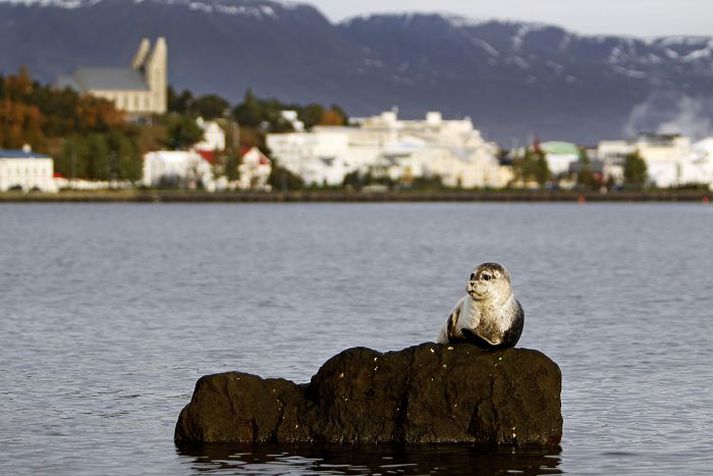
488	316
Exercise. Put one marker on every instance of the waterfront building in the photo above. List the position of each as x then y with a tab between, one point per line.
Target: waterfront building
139	90
255	168
702	161
670	158
213	136
27	171
177	169
452	150
559	156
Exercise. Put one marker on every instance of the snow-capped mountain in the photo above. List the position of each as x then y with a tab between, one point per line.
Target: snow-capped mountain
513	79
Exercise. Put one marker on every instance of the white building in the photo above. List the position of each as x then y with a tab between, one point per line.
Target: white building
559	156
451	149
701	164
254	170
319	157
213	136
27	171
671	160
177	169
292	118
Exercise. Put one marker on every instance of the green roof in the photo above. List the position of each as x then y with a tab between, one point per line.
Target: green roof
559	148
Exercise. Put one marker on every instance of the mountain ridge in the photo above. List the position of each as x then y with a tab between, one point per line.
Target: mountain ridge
515	79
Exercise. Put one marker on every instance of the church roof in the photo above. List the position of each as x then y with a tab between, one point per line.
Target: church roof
109	79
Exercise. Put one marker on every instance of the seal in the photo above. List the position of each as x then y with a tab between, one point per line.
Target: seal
488	316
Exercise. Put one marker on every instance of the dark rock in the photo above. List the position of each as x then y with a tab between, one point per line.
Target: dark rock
425	394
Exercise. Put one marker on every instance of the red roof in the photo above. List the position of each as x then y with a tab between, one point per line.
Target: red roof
209	156
264	160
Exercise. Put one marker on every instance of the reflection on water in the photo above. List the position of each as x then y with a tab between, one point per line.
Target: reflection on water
384	459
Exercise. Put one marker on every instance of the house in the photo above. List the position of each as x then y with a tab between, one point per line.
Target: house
177	169
320	157
27	171
291	118
559	156
213	136
139	90
254	170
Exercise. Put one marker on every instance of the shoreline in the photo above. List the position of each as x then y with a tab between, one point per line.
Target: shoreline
338	196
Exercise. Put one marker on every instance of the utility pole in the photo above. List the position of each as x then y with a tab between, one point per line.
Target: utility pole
73	167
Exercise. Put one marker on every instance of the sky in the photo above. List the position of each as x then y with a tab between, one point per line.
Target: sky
643	18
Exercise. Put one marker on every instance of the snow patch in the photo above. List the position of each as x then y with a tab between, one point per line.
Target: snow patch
66	4
519	62
670	53
681	41
257	11
698	54
459	21
525	29
487	47
631	73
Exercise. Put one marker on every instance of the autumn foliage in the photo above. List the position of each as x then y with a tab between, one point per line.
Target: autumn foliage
34	114
88	137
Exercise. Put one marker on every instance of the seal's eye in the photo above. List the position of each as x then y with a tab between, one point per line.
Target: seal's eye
486	277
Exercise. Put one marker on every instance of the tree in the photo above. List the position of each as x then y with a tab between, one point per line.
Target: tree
331	117
311	115
540	169
99	115
20	124
353	180
249	113
112	156
34	113
128	164
231	167
341	112
180	103
72	161
531	166
585	175
283	180
210	106
181	132
635	171
97	159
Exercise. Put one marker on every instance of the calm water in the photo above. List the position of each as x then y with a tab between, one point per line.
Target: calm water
109	314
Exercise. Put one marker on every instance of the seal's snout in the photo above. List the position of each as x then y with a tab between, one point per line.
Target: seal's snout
472	287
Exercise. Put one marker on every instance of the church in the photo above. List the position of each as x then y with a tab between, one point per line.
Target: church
139	90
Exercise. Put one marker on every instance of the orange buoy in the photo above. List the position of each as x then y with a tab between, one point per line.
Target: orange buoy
581	199
706	200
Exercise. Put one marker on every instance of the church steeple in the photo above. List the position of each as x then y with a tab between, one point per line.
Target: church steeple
141	54
152	64
156	72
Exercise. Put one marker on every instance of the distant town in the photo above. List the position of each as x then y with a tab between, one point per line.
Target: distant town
125	128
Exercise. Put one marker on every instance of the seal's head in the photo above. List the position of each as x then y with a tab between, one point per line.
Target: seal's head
489	281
